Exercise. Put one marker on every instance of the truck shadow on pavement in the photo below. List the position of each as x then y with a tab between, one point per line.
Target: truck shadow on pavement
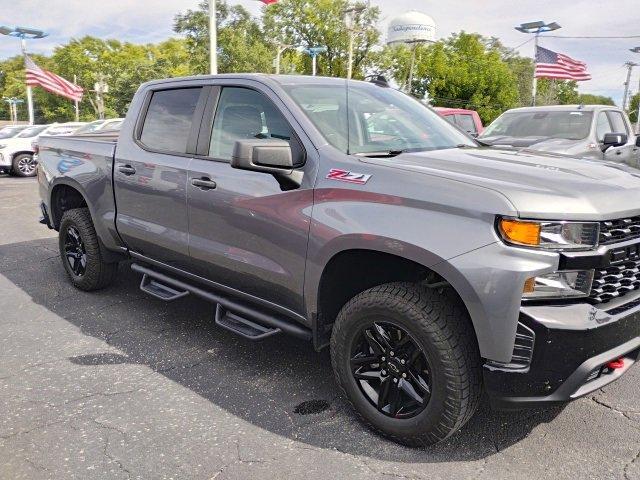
266	383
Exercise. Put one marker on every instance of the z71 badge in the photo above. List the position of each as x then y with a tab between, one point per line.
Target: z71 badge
346	176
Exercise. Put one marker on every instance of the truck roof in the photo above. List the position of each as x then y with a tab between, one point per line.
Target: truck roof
452	110
281	79
564	108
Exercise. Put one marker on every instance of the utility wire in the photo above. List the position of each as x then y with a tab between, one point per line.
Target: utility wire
590	37
523	43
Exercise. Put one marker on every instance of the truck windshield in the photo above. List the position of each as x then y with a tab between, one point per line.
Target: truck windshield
369	119
570	125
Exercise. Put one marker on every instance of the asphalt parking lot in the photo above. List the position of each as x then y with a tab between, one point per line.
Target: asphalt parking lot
116	384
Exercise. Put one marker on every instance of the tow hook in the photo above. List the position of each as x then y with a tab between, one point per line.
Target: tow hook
615	364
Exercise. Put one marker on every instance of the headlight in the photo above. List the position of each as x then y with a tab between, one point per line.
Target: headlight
549	235
570	284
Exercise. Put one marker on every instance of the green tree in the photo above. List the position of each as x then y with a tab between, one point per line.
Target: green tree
241	43
465	71
12	85
633	108
591	99
123	67
321	23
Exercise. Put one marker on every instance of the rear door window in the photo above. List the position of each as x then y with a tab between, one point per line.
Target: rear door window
466	123
169	119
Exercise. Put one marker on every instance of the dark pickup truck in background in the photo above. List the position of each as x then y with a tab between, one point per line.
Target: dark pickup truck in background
348	214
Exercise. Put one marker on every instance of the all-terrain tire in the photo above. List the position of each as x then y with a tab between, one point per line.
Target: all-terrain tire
24	165
97	273
440	325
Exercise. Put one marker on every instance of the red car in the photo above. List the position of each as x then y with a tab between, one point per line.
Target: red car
467	120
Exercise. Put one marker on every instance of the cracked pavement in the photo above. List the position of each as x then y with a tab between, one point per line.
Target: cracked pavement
115	384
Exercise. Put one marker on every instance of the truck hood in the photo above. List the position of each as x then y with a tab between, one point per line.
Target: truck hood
13	143
539	185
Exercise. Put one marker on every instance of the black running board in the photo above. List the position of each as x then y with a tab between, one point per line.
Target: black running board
252	320
160	290
243	327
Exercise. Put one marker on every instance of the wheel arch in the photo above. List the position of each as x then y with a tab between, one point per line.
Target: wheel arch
65	196
21	152
350	271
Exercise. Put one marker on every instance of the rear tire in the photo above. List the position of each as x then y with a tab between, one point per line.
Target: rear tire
445	374
80	252
24	165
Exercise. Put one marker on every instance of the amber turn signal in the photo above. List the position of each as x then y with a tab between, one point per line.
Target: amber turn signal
520	232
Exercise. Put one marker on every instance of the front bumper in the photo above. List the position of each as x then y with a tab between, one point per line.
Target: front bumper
567	362
5	162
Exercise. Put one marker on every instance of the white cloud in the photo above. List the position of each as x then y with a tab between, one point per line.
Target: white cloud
151	20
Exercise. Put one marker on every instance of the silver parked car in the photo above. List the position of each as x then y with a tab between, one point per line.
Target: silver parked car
600	132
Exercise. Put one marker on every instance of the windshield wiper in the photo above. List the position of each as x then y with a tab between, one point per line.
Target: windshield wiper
381	154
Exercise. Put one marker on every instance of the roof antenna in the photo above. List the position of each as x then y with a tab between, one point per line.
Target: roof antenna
379	80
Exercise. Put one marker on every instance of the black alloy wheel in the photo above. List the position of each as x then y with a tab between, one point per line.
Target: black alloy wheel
75	251
391	370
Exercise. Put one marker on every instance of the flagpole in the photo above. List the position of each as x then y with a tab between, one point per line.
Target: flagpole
23	44
76	104
213	38
534	88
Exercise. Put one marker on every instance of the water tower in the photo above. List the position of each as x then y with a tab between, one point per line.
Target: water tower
411	28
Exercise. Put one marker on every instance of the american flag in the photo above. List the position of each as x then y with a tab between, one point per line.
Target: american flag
550	64
51	82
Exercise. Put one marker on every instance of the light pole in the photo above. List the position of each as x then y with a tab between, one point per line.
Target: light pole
637	50
13	107
350	22
23	34
629	66
281	48
536	28
313	52
213	38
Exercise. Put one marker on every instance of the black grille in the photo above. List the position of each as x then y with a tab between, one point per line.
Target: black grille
616	280
523	348
620	230
522	351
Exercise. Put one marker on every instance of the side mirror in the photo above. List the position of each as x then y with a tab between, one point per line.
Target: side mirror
613	140
267	155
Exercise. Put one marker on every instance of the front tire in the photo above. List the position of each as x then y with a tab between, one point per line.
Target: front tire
407	359
80	252
24	165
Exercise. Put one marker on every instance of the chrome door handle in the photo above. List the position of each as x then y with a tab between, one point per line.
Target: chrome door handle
126	169
204	183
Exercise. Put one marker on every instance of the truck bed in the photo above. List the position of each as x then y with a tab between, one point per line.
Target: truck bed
84	162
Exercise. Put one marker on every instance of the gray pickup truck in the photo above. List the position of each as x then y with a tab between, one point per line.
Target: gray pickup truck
599	132
348	214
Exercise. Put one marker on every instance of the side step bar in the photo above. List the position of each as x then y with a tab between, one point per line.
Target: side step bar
243	327
160	290
244	320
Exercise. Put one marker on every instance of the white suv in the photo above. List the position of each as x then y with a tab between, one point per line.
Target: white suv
17	154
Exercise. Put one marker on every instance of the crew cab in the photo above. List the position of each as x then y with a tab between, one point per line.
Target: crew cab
350	215
600	132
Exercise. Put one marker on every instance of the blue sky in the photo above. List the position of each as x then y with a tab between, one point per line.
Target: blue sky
150	20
